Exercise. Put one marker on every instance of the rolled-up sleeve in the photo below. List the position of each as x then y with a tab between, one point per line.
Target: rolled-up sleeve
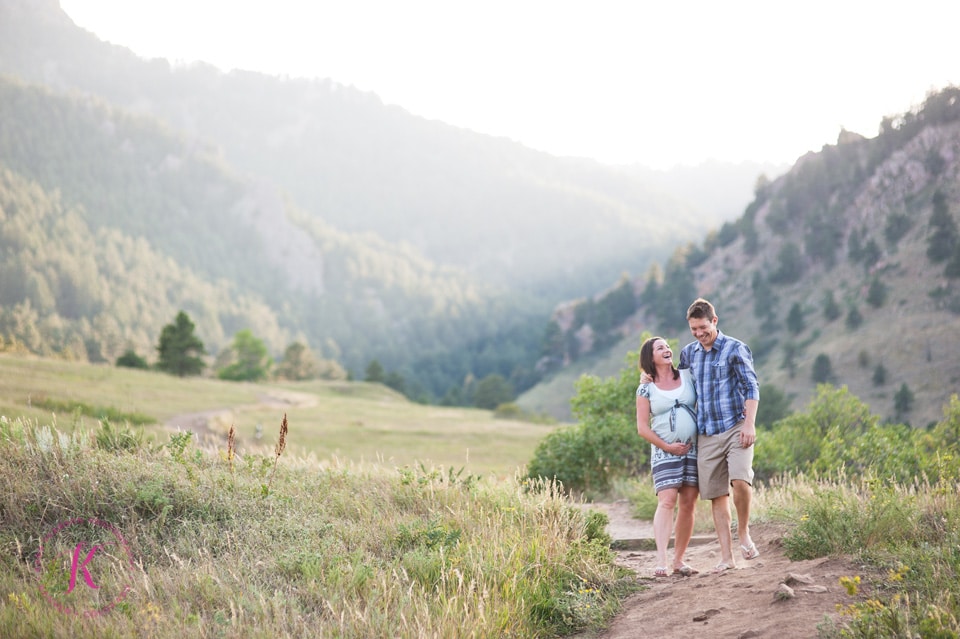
746	374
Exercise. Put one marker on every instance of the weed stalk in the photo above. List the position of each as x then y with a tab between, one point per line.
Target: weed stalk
278	450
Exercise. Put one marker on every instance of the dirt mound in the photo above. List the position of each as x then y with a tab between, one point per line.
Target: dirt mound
770	596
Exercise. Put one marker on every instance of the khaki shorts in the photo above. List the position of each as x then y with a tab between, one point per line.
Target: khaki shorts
720	460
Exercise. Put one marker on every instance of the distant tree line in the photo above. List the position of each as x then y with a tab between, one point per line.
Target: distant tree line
181	352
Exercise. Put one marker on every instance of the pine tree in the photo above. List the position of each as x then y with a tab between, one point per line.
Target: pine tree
942	242
903	401
795	323
822	369
879	375
877	293
179	349
374	372
831	310
854	318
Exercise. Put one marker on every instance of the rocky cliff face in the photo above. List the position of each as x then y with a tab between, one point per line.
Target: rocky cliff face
881	273
828	276
907	304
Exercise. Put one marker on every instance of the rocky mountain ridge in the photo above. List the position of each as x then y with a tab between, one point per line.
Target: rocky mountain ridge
828	274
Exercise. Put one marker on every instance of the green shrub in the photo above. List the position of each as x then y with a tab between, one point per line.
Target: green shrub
906	537
122	438
889	451
838	435
792	445
588	456
130	359
509	410
604	444
84	409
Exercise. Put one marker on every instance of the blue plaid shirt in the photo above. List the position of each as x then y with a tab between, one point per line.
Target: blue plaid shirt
724	378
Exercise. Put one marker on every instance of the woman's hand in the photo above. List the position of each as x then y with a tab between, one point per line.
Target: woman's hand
678	448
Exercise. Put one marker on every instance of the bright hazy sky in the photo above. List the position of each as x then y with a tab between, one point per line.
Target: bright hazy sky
657	83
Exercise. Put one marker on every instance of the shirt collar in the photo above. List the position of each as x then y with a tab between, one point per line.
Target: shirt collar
717	343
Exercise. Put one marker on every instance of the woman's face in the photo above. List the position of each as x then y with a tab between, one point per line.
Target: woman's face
662	353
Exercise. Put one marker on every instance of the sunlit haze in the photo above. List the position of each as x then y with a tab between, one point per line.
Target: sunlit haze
621	81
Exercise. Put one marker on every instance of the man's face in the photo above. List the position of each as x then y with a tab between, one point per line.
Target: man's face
704	330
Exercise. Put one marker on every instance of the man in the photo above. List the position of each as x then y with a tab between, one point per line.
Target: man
728	394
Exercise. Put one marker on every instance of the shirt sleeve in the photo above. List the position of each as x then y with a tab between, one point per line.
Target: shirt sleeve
643	391
684	359
746	374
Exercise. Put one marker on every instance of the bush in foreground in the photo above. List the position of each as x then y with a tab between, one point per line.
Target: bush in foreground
603	445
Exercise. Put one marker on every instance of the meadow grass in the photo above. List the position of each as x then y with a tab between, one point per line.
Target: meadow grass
27	381
273	545
349	421
376	518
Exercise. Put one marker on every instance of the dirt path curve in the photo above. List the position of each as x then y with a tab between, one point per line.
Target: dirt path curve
739	604
211	426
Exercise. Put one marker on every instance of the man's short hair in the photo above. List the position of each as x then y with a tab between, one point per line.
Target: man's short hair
701	309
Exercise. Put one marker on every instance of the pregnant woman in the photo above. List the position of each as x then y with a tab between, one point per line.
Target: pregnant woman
666	417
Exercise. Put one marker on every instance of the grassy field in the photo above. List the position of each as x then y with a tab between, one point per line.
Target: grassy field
350	421
361	523
112	537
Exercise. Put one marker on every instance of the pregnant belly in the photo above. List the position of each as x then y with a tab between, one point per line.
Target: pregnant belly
686	427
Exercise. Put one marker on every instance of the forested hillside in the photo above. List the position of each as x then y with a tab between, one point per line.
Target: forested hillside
69	289
299	209
253	260
845	270
505	213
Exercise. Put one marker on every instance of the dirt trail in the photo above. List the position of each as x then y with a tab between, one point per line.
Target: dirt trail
739	604
211	426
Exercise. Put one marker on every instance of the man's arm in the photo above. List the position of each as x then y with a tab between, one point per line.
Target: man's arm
748	434
751	389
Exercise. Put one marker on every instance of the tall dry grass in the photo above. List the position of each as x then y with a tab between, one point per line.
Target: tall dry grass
906	535
331	550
